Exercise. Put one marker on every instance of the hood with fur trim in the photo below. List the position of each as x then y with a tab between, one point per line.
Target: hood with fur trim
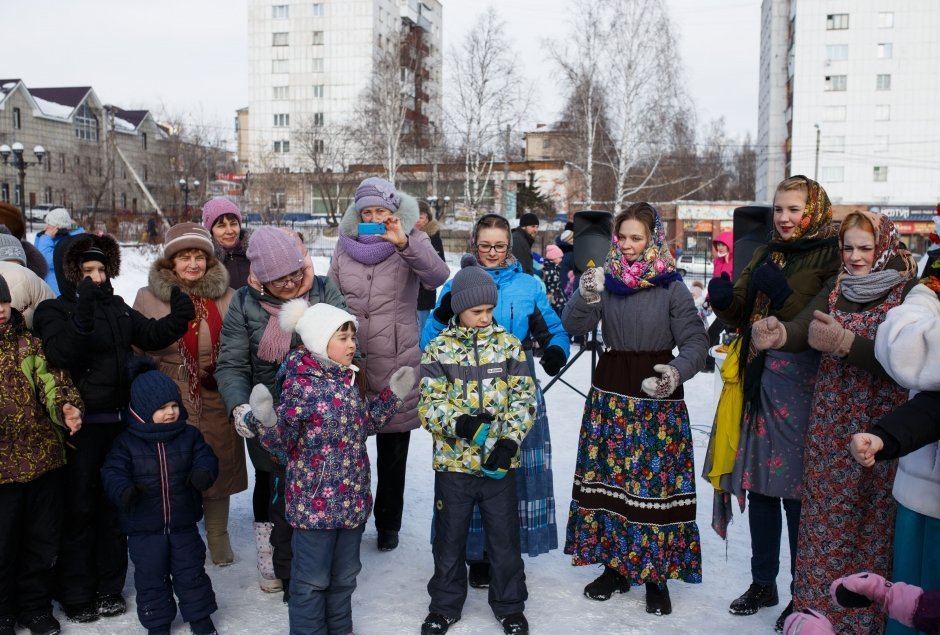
211	286
67	259
407	212
432	228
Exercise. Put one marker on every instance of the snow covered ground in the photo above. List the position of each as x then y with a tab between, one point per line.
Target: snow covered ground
392	596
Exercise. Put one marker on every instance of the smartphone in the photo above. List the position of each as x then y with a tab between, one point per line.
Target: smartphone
366	229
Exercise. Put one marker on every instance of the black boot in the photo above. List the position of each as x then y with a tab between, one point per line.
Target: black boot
7	626
388	540
608	583
778	625
514	624
479	574
437	624
657	599
111	605
285	584
43	624
755	598
81	613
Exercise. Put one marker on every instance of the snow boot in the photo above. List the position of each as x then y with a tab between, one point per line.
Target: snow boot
43	624
111	605
160	630
285	584
437	624
778	625
7	626
514	624
479	574
755	598
81	613
203	626
657	599
268	582
388	540
215	511
608	583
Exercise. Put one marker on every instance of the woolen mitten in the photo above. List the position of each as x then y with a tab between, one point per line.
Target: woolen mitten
770	279
88	295
807	622
444	312
553	359
592	284
664	385
200	479
262	405
240	417
181	308
402	381
500	459
475	428
828	336
898	600
768	333
721	292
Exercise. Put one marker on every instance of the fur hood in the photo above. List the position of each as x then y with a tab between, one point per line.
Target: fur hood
407	212
67	259
211	286
432	228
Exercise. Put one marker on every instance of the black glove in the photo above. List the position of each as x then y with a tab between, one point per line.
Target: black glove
200	479
181	305
474	427
88	294
444	311
770	279
128	498
721	292
553	359
500	459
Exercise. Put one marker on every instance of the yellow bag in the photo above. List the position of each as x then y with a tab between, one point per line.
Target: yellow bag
726	432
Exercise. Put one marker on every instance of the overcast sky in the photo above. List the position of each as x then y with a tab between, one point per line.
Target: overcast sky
189	56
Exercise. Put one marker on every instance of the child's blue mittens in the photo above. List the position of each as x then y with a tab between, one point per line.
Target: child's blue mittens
500	459
475	428
262	406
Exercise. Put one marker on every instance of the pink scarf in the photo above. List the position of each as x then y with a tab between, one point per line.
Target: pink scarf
275	342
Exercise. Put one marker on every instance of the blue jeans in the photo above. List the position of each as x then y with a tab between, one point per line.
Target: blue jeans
323	578
766	524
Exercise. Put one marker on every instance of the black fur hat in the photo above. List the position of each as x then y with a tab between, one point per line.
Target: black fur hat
83	248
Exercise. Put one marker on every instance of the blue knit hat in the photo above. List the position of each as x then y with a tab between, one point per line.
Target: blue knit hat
376	192
149	391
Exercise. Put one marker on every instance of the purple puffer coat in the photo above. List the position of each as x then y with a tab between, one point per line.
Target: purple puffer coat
383	298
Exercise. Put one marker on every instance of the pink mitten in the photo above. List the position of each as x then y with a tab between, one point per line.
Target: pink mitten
807	622
898	600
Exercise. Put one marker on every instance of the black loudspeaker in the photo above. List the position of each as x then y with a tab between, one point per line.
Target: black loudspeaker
593	232
752	227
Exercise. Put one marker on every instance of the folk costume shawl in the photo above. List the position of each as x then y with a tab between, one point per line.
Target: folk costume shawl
879	281
206	310
654	268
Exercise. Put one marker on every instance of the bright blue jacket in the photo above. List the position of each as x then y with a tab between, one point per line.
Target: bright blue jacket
522	309
46	244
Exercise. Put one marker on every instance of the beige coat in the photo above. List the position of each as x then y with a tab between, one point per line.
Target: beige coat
27	289
212	420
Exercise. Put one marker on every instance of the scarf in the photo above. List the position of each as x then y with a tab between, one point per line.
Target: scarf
654	268
275	342
208	312
879	281
367	250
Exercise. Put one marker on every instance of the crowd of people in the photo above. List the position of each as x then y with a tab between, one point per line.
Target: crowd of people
123	425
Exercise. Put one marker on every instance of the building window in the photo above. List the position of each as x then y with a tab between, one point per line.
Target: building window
880	173
834	143
882	112
62	162
837	52
16	119
278	66
834	113
47	195
317	64
833	174
318	119
281	120
86	123
318	91
279	39
282	147
316	10
279	11
281	92
317	37
837	21
886	20
124	200
880	143
146	173
143	140
883	81
836	82
885	51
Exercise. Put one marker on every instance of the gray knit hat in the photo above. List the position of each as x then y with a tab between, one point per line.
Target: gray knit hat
12	249
471	287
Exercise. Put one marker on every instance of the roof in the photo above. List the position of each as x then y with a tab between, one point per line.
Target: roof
67	96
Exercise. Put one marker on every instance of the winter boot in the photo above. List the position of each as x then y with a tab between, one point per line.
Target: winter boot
437	624
657	599
43	624
111	605
388	540
285	585
514	624
269	583
7	626
479	574
216	520
160	630
608	583
81	613
755	598
778	625
203	626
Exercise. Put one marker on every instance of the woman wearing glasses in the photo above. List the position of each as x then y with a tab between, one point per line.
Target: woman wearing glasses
379	275
523	310
253	345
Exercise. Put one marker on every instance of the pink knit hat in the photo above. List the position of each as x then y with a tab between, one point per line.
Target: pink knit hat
553	251
216	207
273	254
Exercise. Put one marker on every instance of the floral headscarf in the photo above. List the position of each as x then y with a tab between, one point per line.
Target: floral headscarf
654	268
880	280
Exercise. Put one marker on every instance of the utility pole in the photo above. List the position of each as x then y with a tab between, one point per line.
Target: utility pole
505	187
816	168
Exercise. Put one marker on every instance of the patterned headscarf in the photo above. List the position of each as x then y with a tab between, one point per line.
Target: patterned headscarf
655	266
879	280
816	221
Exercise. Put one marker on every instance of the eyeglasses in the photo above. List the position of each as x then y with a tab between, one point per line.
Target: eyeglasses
291	278
500	248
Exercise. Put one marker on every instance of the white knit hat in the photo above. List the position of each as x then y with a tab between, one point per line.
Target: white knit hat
59	217
315	324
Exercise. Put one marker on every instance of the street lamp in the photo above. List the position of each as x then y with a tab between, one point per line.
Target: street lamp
187	186
20	164
438	204
816	167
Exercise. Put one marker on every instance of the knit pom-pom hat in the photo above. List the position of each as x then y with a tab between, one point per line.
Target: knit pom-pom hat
315	324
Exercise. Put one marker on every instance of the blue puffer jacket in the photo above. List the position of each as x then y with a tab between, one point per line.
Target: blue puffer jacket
522	309
157	460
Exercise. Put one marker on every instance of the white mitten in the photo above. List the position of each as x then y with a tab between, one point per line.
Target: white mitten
592	284
402	381
262	406
768	333
664	385
240	416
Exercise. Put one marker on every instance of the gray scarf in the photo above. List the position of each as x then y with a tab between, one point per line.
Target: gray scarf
863	289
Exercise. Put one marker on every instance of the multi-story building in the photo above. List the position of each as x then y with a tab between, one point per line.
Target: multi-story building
309	62
848	92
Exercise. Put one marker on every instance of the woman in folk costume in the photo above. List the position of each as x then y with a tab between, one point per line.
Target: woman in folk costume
780	281
188	262
847	512
633	505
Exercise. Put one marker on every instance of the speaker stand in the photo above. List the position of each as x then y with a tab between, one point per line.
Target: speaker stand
592	344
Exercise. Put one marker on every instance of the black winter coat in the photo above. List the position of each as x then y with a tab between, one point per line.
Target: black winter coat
910	426
522	249
427	298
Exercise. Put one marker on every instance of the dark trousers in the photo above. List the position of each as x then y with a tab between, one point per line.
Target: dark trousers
93	553
455	495
261	496
168	563
391	461
282	532
766	523
714	335
30	529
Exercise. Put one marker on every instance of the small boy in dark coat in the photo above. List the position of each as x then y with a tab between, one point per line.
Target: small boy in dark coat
155	473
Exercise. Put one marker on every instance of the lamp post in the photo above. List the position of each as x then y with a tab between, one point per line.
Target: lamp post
187	186
20	164
438	204
816	168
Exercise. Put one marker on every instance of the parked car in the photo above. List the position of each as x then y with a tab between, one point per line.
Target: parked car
37	213
694	266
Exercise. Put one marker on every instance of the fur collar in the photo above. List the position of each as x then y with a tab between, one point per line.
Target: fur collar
211	286
407	212
432	228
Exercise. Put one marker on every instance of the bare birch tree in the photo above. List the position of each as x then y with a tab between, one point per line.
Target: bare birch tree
327	151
